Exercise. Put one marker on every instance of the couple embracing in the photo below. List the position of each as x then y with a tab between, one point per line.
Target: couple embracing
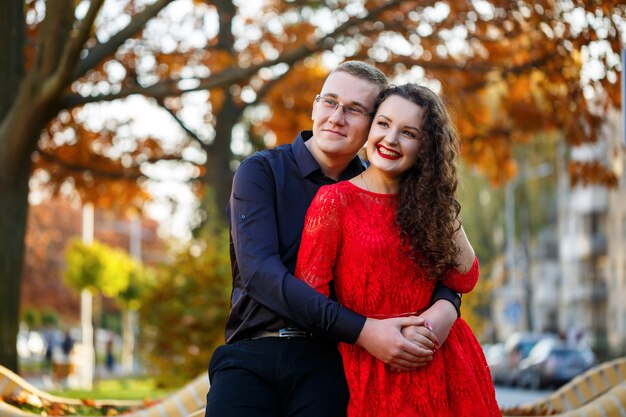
326	248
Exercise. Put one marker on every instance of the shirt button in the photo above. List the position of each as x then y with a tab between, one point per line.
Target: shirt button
242	217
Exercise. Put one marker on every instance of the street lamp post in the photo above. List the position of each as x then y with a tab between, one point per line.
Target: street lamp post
131	317
540	171
87	365
624	94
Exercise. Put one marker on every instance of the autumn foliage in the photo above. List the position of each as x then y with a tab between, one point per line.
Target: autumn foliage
50	227
184	311
508	69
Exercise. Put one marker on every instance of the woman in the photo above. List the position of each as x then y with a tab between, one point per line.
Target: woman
384	238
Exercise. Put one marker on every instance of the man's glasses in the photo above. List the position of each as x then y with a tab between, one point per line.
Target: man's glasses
332	104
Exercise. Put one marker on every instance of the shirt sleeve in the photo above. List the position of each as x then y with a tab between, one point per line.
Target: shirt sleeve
462	282
320	241
442	292
265	278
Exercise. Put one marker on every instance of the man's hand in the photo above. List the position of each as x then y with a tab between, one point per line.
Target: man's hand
441	316
384	340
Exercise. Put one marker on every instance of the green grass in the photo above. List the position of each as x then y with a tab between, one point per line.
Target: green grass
119	389
32	367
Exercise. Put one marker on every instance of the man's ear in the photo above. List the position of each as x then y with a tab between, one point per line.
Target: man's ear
313	109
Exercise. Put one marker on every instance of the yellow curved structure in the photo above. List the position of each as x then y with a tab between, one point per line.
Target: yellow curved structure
187	401
601	391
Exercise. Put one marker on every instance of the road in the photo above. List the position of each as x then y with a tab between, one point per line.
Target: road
509	397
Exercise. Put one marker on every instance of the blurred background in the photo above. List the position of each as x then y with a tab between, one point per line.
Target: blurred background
122	122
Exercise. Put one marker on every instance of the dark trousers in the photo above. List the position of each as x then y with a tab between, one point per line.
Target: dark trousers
277	377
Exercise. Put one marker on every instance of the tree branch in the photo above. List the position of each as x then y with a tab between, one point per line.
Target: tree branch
80	36
79	169
54	32
493	132
69	55
167	88
519	69
102	50
267	87
133	172
182	124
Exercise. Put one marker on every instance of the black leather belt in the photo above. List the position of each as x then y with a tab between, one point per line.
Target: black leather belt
287	332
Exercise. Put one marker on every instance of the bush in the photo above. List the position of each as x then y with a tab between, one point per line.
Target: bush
183	314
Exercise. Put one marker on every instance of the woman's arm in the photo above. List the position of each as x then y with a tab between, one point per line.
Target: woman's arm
465	257
442	314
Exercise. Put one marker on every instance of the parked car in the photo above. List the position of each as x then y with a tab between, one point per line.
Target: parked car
552	363
494	354
516	349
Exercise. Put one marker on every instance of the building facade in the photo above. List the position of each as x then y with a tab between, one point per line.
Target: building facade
616	243
574	282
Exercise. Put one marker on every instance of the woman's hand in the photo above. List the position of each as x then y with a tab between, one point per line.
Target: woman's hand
422	336
384	340
441	316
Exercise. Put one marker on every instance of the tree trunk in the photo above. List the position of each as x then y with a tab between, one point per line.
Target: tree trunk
13	214
19	133
219	175
12	56
13	185
218	172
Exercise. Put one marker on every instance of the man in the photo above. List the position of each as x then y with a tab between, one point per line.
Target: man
281	358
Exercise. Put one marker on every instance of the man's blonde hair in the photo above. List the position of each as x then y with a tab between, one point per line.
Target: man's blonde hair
364	71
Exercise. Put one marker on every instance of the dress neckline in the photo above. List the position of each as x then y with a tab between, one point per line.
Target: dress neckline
364	191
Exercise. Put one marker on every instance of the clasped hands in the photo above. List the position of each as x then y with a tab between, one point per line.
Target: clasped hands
407	343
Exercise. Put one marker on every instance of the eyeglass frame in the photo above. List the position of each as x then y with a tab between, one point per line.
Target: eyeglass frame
355	109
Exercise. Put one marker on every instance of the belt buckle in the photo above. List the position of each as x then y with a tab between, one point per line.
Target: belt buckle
291	332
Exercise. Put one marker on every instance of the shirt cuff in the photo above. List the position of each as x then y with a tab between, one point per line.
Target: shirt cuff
444	293
348	326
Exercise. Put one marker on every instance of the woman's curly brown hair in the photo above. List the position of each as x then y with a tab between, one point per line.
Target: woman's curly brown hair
428	211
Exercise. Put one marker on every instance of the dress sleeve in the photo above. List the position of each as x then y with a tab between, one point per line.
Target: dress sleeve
320	240
462	282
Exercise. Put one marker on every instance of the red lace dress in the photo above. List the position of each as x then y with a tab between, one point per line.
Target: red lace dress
350	237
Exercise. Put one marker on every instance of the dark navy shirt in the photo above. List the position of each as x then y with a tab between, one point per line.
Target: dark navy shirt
271	193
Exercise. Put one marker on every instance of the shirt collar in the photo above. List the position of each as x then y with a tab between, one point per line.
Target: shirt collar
307	163
304	159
